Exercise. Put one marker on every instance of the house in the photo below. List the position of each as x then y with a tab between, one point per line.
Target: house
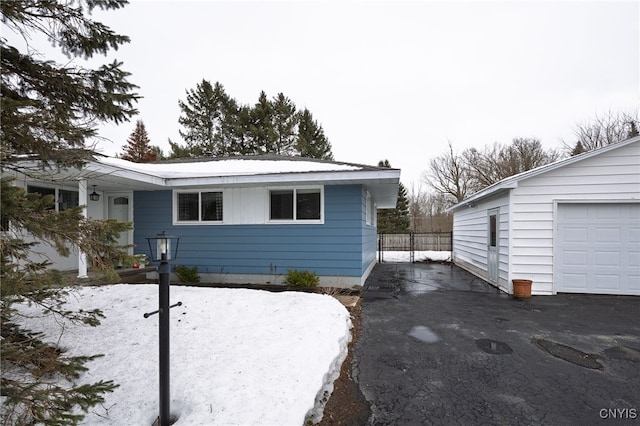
572	226
240	219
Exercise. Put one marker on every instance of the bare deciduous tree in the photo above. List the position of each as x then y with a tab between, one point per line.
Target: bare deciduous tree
602	131
498	162
458	176
448	175
481	165
427	210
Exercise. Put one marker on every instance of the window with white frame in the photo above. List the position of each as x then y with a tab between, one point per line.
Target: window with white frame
63	199
295	204
369	211
374	220
199	206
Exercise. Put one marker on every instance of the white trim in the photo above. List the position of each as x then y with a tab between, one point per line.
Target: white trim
595	201
369	209
83	197
167	179
293	221
493	268
509	283
554	231
113	174
105	206
199	191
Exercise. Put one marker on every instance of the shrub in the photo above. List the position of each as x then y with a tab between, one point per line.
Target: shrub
186	274
305	278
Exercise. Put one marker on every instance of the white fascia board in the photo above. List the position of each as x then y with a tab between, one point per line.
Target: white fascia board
105	170
492	190
364	177
339	177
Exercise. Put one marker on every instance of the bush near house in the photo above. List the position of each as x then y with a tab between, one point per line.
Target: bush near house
186	274
305	278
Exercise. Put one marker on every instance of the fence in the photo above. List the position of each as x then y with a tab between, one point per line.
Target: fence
412	242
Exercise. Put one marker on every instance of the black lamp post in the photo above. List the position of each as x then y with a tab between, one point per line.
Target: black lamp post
163	247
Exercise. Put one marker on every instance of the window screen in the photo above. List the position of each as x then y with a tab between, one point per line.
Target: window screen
211	205
188	206
67	199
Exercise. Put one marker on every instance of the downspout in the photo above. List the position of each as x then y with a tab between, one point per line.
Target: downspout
83	196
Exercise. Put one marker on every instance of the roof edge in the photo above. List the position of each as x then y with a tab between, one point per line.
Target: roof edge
512	181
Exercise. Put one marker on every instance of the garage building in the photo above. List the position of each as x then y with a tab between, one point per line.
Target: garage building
572	226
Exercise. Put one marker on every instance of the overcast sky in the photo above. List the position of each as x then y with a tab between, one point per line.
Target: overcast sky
389	80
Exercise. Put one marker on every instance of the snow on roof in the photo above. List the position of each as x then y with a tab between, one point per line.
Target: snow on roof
228	167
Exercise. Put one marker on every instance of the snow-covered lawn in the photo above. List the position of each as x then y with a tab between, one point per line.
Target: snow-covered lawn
404	256
238	356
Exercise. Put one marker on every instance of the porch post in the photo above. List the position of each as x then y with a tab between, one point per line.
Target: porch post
83	196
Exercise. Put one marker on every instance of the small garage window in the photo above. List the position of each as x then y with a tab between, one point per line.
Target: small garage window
493	230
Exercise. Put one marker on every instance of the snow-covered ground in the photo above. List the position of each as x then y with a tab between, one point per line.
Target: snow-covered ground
238	356
404	256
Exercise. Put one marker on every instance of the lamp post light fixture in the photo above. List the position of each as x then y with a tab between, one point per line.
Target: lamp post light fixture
163	247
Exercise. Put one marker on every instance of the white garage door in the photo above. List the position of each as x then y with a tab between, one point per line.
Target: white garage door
598	249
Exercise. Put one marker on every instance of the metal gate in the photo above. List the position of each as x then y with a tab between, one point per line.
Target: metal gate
414	241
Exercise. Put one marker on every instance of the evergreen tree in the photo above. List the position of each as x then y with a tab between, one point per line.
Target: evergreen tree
199	118
261	134
138	148
48	115
242	140
210	121
578	149
230	137
177	150
158	152
311	141
215	124
395	221
285	121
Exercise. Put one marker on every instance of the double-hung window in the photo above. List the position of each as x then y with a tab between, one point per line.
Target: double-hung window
197	207
297	204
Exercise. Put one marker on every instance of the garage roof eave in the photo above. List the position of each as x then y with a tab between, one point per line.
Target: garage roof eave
512	181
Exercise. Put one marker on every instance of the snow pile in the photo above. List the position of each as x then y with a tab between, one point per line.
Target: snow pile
420	256
238	356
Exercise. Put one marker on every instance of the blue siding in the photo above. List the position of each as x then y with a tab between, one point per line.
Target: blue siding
334	248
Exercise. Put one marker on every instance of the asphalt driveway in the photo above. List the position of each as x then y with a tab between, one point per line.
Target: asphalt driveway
439	346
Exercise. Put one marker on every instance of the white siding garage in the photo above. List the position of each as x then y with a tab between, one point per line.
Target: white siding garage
571	226
598	248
